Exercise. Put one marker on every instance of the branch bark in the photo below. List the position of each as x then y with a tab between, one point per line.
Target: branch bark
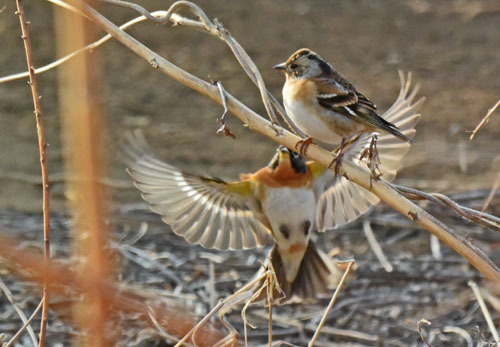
255	122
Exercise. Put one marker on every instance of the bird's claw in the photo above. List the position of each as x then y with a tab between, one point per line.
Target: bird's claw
372	156
338	158
303	144
338	162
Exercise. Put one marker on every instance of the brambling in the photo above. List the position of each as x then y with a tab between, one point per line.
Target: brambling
326	106
282	202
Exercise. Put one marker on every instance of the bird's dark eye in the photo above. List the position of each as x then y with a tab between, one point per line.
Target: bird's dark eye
285	231
293	66
307	226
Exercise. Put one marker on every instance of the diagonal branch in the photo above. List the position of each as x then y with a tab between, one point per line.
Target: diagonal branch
255	122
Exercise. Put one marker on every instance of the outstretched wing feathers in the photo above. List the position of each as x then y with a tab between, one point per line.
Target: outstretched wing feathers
204	211
341	201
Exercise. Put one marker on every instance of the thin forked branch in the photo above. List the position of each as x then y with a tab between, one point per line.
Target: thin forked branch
215	28
478	217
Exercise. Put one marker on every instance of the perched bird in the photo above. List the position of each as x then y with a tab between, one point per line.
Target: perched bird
326	106
281	202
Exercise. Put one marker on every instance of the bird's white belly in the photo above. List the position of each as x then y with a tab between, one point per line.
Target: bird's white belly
289	205
319	127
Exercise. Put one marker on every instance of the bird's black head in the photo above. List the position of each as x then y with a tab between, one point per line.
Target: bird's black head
283	154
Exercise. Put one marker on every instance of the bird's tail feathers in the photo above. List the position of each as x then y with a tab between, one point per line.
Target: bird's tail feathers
317	275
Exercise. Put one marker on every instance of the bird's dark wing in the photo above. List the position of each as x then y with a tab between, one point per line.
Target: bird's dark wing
343	98
341	201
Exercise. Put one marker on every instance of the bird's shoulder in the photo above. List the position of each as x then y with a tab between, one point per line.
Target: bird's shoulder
334	89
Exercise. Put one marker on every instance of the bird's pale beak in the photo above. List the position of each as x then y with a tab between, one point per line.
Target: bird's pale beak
281	67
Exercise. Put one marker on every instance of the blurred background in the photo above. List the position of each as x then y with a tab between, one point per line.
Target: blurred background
451	47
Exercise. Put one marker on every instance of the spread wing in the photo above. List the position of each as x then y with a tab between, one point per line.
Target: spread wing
345	99
204	211
341	201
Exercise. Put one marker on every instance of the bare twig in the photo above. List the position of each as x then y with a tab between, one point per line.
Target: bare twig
435	247
493	300
346	333
43	161
222	307
380	188
270	291
20	313
494	189
88	48
420	331
485	311
224	128
485	119
460	332
332	301
26	325
487	220
375	246
211	282
160	329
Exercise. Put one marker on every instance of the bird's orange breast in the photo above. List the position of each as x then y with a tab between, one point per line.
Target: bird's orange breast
283	176
301	90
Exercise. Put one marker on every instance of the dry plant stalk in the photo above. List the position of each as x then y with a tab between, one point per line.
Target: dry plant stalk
26	325
62	279
43	162
485	119
375	246
20	313
421	332
255	122
493	191
485	311
332	301
83	133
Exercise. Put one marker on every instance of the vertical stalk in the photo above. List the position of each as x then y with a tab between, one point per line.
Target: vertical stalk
83	132
43	163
